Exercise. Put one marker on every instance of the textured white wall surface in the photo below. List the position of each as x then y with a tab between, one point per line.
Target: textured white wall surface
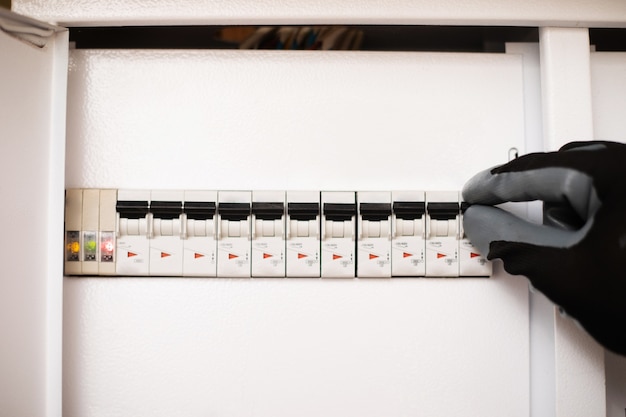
608	82
575	13
277	347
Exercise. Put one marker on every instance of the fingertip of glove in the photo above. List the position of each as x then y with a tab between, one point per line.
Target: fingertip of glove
474	189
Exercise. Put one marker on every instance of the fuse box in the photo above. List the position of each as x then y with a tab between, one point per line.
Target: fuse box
244	234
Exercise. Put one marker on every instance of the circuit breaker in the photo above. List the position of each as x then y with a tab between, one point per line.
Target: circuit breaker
408	251
166	243
199	233
374	242
338	234
233	242
442	234
133	233
303	234
268	234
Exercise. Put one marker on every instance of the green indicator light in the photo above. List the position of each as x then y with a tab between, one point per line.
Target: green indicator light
90	246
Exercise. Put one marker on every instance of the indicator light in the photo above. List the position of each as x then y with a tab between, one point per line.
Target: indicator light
72	246
107	246
90	246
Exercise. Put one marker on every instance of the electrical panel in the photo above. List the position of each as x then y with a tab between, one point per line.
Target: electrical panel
247	234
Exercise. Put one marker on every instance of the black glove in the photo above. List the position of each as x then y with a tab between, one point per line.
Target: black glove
578	257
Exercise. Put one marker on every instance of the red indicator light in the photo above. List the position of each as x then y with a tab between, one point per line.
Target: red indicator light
107	246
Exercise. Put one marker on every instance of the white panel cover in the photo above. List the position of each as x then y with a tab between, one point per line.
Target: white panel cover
32	135
608	89
577	13
306	347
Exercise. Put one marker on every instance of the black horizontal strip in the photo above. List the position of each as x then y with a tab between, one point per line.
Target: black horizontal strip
303	211
409	210
443	211
339	212
268	211
166	209
132	209
375	212
200	210
234	211
444	38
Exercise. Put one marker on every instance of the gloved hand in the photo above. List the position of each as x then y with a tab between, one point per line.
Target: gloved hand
578	257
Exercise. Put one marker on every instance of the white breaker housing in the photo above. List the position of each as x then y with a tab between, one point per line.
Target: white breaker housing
303	234
374	228
408	246
133	232
233	244
268	233
442	234
166	242
338	234
199	233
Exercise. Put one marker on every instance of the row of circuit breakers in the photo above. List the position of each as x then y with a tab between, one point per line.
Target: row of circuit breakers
328	234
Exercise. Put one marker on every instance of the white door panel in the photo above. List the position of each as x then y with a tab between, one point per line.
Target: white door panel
270	347
32	119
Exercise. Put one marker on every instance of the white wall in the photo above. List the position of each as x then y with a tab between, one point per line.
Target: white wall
267	347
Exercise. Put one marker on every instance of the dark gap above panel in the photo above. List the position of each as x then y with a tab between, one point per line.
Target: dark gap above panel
608	39
366	38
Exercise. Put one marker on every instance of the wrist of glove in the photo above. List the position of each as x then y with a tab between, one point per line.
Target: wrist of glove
578	257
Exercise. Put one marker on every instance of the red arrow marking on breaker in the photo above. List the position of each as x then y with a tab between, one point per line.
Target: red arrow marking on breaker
231	256
165	255
474	255
441	255
198	255
372	256
131	254
267	255
336	257
302	255
406	254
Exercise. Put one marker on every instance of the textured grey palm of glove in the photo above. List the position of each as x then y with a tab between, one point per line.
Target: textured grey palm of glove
578	257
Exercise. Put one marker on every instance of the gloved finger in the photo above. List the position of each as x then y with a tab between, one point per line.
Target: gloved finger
544	267
561	216
549	177
594	145
595	303
484	225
